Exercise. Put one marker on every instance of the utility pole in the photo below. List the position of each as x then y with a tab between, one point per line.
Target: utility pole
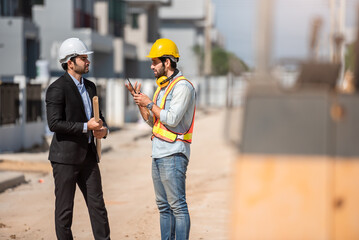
337	35
264	40
342	30
356	62
207	48
333	27
314	39
208	42
337	30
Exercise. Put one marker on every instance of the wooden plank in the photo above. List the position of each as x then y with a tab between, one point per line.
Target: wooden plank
282	197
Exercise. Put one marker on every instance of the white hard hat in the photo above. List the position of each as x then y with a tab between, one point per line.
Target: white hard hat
72	47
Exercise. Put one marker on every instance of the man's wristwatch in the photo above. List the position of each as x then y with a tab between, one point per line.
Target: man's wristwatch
150	105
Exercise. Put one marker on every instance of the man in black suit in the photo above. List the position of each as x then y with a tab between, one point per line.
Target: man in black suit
73	154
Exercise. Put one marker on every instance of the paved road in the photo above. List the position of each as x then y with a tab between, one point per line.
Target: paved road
27	211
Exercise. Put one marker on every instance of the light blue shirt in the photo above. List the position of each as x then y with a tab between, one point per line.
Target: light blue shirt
176	116
85	99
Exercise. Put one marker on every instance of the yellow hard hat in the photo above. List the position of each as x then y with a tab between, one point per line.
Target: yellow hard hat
163	47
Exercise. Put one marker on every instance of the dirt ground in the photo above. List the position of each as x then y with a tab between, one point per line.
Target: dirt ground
27	211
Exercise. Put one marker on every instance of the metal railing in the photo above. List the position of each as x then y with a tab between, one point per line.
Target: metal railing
33	104
10	110
85	20
9	103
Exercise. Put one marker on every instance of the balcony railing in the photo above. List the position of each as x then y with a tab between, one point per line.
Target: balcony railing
116	28
85	20
9	103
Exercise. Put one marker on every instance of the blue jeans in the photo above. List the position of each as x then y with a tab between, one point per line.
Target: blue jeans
169	180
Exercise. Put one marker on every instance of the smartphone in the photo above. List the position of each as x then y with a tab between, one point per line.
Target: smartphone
131	85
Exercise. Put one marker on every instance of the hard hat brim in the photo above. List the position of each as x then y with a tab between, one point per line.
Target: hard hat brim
153	56
64	60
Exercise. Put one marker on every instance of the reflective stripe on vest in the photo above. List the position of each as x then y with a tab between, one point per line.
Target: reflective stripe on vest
161	131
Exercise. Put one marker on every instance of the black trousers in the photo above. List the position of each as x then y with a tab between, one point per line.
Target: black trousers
87	176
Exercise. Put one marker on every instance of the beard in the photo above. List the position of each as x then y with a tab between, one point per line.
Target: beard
161	72
81	69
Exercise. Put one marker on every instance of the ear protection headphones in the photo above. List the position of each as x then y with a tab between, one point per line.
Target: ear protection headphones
164	80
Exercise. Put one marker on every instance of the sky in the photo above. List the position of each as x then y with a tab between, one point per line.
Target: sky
237	22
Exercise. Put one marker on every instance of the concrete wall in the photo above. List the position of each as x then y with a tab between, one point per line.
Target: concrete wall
138	37
20	137
185	36
183	9
142	37
12	46
119	49
115	98
186	30
219	91
101	13
14	32
55	19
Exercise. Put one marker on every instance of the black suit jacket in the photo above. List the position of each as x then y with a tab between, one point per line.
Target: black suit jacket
66	117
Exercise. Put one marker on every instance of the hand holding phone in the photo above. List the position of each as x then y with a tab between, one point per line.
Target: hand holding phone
131	85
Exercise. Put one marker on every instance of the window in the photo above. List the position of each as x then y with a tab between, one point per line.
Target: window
134	21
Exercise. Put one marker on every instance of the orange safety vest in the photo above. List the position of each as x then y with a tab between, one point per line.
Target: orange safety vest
161	131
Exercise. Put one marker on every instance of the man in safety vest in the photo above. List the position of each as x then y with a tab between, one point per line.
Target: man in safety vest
171	115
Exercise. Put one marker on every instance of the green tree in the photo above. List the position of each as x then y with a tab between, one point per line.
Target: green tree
236	65
223	61
220	61
350	57
198	51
